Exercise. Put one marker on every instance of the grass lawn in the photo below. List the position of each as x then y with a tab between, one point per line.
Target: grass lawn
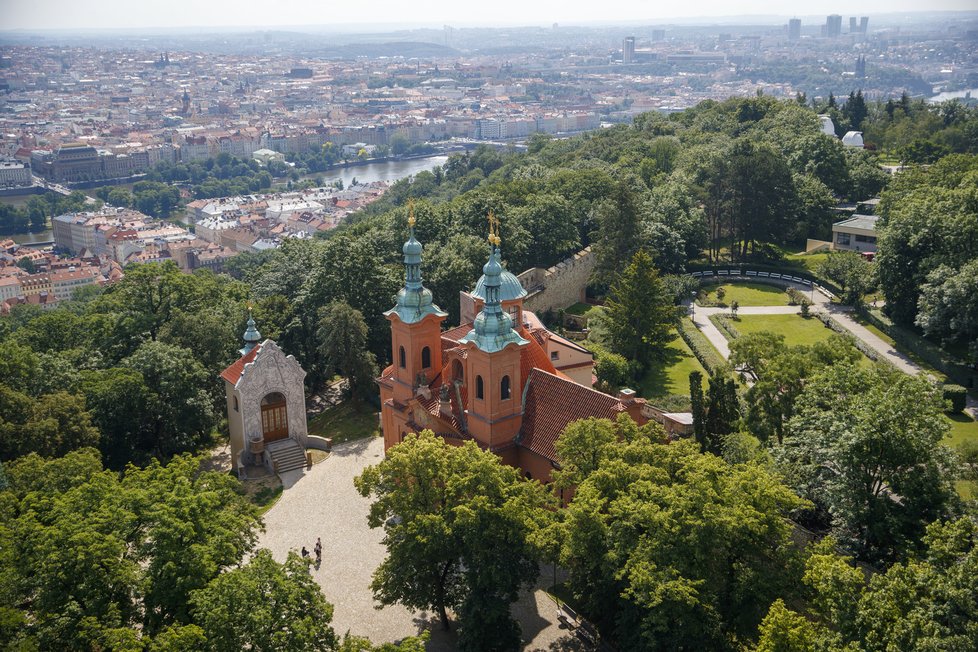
672	376
351	419
578	309
747	294
963	429
796	329
808	262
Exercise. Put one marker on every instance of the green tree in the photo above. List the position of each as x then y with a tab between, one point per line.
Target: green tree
640	312
698	407
265	606
783	630
854	275
668	548
458	525
865	445
343	342
617	237
179	409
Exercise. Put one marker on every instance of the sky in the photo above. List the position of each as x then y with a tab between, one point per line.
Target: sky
117	14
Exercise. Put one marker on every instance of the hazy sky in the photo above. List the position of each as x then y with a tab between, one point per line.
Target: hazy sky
60	14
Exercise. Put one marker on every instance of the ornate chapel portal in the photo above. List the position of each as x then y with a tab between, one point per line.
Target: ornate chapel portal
274	417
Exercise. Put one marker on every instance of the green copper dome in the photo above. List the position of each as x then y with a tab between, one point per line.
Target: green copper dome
493	328
510	287
251	337
414	300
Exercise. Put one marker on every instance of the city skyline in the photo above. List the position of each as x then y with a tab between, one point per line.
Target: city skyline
387	14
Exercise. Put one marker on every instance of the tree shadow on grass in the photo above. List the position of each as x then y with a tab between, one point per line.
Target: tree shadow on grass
656	379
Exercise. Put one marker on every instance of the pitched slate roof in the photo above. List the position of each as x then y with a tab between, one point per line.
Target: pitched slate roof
551	402
233	373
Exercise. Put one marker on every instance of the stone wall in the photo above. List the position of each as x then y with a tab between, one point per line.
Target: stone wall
561	286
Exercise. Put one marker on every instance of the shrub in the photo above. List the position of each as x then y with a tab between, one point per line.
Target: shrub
806	310
795	298
725	325
957	395
700	346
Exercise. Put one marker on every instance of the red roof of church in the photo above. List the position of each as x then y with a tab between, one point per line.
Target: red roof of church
233	373
553	402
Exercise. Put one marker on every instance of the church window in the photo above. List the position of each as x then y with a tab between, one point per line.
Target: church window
236	404
479	391
425	358
402	358
457	372
504	388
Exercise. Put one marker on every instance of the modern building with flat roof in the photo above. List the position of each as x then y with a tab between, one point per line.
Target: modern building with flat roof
858	233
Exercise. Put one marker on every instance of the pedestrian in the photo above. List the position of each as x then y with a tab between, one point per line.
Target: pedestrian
305	553
319	550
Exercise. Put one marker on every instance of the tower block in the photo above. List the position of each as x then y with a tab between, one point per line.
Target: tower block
492	362
416	324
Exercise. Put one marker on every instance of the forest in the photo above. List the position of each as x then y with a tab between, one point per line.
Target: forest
816	510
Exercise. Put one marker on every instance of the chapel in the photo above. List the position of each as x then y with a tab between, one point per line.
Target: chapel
494	379
266	406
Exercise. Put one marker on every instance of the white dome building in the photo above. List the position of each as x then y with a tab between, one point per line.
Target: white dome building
826	125
853	139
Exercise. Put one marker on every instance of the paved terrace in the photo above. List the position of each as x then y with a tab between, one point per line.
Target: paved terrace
322	502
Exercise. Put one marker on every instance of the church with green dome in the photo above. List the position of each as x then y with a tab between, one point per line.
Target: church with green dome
500	378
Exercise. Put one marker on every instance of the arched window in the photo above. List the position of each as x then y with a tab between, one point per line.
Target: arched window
504	388
479	391
457	372
402	358
236	404
425	358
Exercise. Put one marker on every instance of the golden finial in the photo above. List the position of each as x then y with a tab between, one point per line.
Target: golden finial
494	229
411	219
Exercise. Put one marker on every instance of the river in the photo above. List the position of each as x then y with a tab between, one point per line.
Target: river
950	95
386	171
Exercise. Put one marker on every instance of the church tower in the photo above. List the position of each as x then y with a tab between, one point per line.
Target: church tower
492	363
415	329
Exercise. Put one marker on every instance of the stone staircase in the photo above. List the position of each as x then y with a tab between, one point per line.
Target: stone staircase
286	454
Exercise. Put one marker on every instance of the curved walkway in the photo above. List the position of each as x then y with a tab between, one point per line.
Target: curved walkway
821	302
322	502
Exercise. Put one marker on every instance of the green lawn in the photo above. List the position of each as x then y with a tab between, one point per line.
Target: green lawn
351	419
672	376
578	309
747	294
809	262
963	429
796	329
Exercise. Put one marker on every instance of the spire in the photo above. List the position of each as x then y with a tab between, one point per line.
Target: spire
414	301
251	335
493	328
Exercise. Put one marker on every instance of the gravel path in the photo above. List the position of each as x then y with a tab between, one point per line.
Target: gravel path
322	502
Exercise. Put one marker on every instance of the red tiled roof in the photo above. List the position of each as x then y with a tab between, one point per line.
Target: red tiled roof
457	333
233	373
552	402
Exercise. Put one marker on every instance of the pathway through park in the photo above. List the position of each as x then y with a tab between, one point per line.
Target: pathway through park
842	314
322	502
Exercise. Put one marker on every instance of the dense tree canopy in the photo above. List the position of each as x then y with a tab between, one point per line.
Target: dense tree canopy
458	526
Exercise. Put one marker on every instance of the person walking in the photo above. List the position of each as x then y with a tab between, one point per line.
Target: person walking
319	550
305	553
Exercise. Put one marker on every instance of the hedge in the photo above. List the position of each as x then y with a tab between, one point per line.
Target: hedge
708	356
864	348
957	395
929	352
724	324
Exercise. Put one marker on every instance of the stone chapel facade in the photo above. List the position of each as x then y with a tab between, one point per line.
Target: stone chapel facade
265	400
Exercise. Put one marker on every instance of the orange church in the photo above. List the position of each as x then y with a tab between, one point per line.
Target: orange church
499	380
